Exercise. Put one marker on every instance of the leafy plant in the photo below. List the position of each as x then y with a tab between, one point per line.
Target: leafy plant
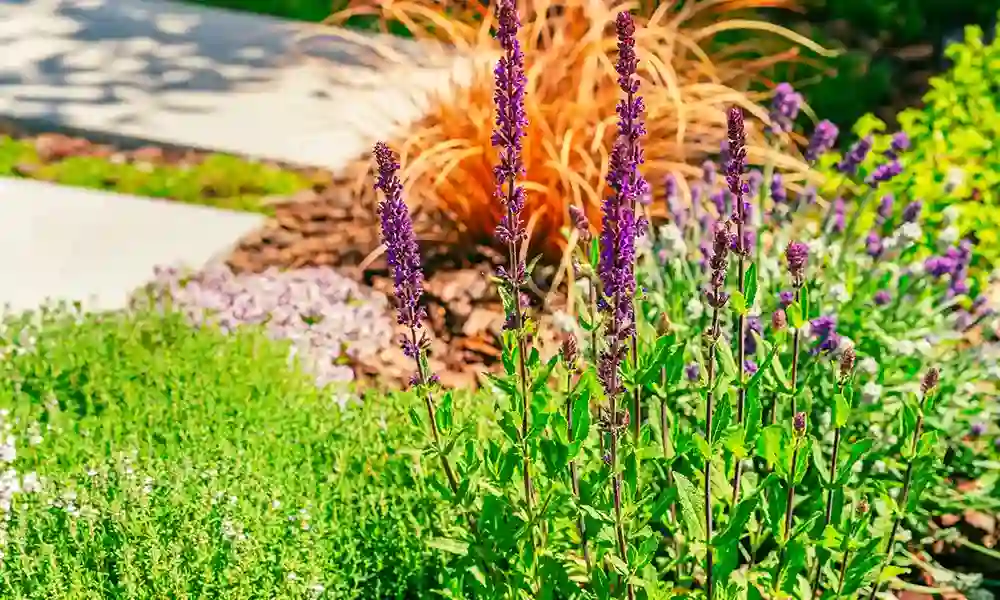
763	480
144	458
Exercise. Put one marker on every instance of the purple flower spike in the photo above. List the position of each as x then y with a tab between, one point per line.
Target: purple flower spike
882	298
708	173
784	108
619	226
855	156
822	140
737	160
754	181
719	200
511	120
912	211
797	253
719	264
402	253
839	215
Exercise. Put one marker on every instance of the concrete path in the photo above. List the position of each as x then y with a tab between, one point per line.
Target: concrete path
197	77
95	247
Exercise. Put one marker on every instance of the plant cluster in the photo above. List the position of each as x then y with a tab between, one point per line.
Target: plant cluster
762	475
218	180
144	458
330	319
569	105
952	162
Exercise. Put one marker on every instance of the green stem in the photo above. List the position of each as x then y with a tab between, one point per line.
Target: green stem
709	559
574	476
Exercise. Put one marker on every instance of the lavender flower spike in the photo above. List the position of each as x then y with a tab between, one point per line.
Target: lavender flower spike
784	108
822	140
737	160
855	156
797	254
401	246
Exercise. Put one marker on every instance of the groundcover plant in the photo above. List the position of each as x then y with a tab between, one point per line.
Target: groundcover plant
699	452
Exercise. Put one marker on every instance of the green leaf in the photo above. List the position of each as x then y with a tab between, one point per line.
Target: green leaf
721	420
739	303
771	446
444	413
726	359
618	564
702	445
734	529
858	451
692	507
794	313
804	300
675	366
891	572
802	459
750	281
841	411
581	416
544	373
415	417
449	545
504	384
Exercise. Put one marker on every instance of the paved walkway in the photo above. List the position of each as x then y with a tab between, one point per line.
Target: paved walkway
95	247
211	79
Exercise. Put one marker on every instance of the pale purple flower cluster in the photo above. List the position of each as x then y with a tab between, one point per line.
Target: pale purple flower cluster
784	108
885	208
955	263
329	318
855	156
839	209
912	211
823	139
824	332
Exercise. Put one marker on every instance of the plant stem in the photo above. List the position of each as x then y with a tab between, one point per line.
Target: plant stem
843	574
672	511
573	475
741	352
834	455
616	480
595	354
709	559
796	336
901	507
789	503
432	417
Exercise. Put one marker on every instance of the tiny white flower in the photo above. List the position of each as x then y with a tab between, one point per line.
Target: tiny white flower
891	440
871	392
916	268
954	179
838	292
876	430
905	348
894	492
910	232
31	484
825	420
923	347
868	365
8	450
292	576
858	467
275	504
695	308
949	235
879	467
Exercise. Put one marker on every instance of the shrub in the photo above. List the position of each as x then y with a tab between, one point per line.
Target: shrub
218	180
722	502
954	161
569	105
155	460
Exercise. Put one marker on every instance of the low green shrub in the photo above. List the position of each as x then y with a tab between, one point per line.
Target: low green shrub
183	463
219	180
954	159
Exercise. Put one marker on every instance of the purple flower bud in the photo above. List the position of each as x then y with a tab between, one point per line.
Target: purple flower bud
778	189
873	244
779	320
784	108
847	362
753	324
885	172
977	429
749	366
882	298
580	222
737	160
855	156
799	423
824	331
930	380
692	371
785	298
797	253
822	140
885	208
900	143
719	264
912	211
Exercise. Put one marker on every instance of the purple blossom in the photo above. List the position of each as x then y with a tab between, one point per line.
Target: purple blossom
750	366
619	231
692	371
824	332
785	298
885	172
885	208
912	211
402	253
882	298
778	189
749	341
754	181
977	429
855	156
839	215
678	215
873	244
708	173
719	265
784	108
511	120
737	161
797	253
580	221
900	143
799	423
808	196
719	200
822	140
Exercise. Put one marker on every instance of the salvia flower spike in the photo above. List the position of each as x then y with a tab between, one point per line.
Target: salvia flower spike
403	257
736	130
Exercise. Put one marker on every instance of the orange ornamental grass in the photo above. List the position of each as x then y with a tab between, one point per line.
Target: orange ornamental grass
570	49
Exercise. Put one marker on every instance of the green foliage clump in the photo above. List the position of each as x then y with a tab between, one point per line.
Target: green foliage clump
183	463
219	180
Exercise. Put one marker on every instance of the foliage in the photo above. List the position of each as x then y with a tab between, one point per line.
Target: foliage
448	158
782	475
184	463
953	160
218	180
